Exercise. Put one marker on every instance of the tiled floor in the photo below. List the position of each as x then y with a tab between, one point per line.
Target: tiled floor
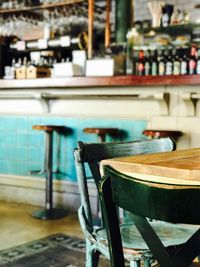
18	227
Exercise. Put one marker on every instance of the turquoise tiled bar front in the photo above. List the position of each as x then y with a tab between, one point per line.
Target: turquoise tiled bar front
22	148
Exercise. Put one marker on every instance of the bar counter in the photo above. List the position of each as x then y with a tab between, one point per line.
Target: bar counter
129	103
116	81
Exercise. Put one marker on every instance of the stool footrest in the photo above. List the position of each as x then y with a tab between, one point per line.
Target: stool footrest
50	214
39	172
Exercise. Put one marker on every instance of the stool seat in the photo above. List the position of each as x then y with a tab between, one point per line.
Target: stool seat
153	133
49	128
101	132
49	212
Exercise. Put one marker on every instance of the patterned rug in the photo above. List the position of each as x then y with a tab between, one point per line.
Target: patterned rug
58	250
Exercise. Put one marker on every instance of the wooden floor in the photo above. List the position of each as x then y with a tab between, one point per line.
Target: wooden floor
18	227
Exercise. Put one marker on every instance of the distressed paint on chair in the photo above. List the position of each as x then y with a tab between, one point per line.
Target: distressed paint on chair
92	154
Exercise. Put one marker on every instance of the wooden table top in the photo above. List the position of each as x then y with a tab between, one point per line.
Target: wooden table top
176	167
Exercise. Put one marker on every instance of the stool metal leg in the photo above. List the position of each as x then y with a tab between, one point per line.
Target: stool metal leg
49	212
102	138
49	178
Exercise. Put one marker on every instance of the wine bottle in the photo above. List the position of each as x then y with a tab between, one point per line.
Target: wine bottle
169	64
161	64
154	65
192	61
176	63
184	62
141	70
198	62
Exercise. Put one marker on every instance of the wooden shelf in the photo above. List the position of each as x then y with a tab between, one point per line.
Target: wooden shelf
32	8
91	82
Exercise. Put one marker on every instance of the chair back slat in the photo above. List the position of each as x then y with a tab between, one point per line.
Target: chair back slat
155	201
98	151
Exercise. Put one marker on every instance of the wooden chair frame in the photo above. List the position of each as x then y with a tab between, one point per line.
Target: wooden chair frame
92	154
177	204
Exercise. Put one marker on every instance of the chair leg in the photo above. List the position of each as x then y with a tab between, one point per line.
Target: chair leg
135	263
92	255
147	262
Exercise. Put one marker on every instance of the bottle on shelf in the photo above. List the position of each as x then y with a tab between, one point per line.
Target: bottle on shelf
21	68
161	63
184	62
169	64
176	63
154	64
13	69
198	62
141	63
147	65
135	62
192	61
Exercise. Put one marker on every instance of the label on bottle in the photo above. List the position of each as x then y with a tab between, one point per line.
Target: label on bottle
141	68
183	67
137	68
169	68
192	66
154	69
161	68
147	68
198	67
177	68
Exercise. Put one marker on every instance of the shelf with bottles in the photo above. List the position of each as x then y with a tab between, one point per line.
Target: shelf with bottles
34	64
182	61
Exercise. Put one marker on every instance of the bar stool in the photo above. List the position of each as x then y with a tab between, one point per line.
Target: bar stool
49	212
162	133
102	132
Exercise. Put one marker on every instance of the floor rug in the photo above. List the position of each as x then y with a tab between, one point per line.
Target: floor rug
57	250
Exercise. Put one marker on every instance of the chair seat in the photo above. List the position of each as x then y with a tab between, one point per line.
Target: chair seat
169	234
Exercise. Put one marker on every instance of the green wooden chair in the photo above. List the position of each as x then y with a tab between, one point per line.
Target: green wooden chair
96	236
169	203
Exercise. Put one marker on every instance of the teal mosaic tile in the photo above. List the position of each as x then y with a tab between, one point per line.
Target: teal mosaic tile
22	148
35	155
3	124
22	139
10	139
3	166
9	153
32	139
3	152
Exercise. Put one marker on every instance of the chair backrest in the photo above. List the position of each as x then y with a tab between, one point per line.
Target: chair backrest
167	202
93	153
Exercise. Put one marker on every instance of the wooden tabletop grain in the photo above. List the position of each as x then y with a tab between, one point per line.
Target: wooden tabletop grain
176	167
